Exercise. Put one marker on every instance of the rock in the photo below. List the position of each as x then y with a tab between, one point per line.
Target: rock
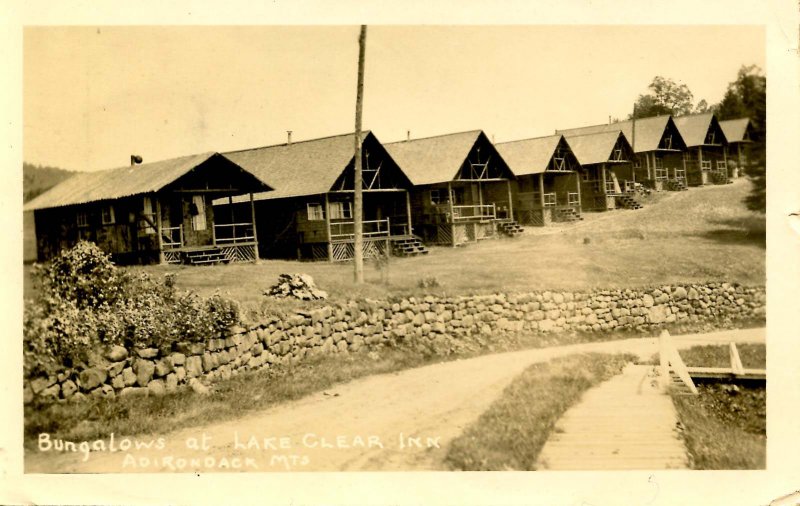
40	383
163	367
657	314
117	354
157	387
27	394
679	293
144	370
115	368
198	387
147	352
180	373
177	359
51	392
68	389
77	397
546	325
647	300
92	378
138	391
128	376
118	382
194	366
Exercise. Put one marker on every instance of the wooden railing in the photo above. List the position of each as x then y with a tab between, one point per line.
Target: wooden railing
233	233
661	174
629	186
172	237
680	174
343	230
485	211
531	200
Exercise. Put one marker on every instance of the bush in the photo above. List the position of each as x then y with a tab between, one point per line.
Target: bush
85	302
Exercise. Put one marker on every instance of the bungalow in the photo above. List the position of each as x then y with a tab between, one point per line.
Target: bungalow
657	145
705	158
153	212
548	187
740	134
309	216
461	187
607	178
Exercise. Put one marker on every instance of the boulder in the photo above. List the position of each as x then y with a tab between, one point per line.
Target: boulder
177	359
140	391
144	370
147	352
92	378
117	353
68	389
157	387
163	367
128	376
115	368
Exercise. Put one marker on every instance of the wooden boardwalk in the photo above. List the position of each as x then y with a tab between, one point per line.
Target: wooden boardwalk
624	423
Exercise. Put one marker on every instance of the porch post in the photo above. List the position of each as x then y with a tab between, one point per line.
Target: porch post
510	201
161	259
452	218
328	228
408	213
578	187
647	159
725	159
739	156
700	164
253	219
541	190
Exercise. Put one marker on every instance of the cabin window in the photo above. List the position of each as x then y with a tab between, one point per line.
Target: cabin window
637	163
149	215
198	212
315	211
439	196
617	155
585	175
559	163
341	210
721	165
705	165
83	219
710	137
107	215
667	142
659	163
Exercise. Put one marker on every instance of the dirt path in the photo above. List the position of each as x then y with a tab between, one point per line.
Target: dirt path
400	421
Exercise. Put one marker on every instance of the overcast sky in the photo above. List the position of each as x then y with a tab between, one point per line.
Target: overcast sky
94	96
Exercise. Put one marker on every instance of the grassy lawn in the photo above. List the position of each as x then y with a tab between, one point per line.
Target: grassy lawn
512	432
725	425
694	236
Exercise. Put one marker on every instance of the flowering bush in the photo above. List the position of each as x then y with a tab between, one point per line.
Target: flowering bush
84	301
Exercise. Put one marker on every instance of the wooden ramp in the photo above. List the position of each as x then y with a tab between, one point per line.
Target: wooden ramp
627	422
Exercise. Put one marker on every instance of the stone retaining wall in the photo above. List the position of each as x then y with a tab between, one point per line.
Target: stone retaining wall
367	324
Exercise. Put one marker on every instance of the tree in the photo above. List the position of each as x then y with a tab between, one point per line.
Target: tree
701	107
665	97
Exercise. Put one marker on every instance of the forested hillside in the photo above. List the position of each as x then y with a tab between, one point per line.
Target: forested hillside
37	179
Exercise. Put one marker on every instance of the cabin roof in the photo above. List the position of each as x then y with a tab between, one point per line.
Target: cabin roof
594	148
694	127
735	129
301	168
433	159
649	131
529	156
110	184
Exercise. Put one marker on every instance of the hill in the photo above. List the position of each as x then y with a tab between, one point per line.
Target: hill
37	179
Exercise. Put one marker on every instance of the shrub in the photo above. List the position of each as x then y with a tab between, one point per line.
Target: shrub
85	302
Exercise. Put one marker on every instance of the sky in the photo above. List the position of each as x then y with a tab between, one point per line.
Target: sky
92	96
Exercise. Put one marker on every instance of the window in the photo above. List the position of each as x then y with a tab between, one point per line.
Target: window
341	210
705	165
107	215
585	175
549	199
721	165
198	212
667	142
315	211
559	163
147	224
659	163
83	219
439	196
637	163
710	137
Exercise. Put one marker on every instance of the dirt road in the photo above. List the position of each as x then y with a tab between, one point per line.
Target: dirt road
391	422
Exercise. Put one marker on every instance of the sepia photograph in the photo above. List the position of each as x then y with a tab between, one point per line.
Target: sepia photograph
304	249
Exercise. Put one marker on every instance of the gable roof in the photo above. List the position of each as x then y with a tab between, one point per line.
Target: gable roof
301	168
433	159
594	148
86	187
649	131
694	127
529	156
735	129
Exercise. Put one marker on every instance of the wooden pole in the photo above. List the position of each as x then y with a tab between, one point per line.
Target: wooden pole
452	218
161	258
700	163
328	228
408	213
256	258
510	201
578	187
358	211
541	190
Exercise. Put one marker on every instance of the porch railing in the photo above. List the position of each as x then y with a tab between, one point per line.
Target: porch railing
485	211
233	233
531	200
172	237
610	189
661	175
680	175
343	230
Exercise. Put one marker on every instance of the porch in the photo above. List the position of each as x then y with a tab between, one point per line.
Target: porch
231	242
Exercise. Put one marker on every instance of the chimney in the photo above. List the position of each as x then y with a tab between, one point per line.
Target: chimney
408	135
609	119
135	160
288	137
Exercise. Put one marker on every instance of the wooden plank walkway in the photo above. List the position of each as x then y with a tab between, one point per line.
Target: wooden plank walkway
624	423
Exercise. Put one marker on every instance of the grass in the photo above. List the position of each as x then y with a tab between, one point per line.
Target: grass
704	234
512	432
725	425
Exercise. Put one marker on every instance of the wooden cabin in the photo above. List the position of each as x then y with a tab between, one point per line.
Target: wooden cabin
148	213
309	215
658	148
740	135
461	187
607	175
548	184
705	158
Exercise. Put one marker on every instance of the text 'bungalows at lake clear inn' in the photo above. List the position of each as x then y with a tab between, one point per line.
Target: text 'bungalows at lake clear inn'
295	200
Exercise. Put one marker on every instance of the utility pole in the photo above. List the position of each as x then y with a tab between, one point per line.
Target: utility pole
358	204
